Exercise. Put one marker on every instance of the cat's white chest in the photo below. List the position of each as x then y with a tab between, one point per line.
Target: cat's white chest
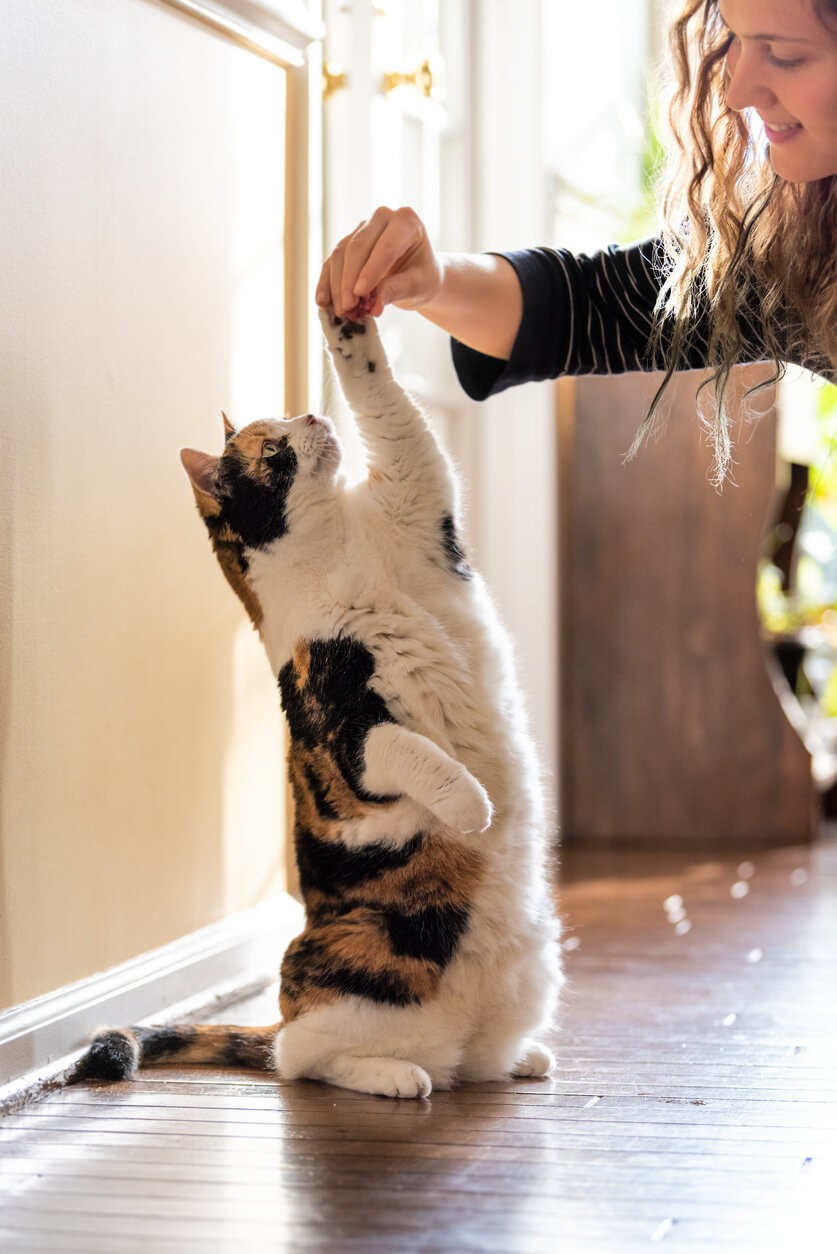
352	589
317	599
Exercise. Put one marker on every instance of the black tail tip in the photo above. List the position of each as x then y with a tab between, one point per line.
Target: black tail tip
112	1056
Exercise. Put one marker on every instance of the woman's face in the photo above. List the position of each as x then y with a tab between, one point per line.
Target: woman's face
782	63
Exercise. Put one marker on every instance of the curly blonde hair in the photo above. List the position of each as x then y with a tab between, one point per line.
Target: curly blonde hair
735	231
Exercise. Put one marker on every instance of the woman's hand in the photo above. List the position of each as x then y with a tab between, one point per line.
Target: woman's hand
390	260
387	260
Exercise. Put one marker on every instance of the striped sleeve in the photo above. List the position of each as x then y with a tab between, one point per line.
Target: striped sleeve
587	315
581	315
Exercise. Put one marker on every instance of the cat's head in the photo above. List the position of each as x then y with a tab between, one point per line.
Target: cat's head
268	478
266	473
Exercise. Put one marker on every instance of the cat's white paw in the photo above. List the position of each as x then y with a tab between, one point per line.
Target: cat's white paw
383	1077
537	1061
394	1078
355	346
463	804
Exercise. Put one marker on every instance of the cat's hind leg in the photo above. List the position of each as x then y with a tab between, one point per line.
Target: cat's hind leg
303	1052
390	1051
535	1061
384	1077
517	1007
496	1059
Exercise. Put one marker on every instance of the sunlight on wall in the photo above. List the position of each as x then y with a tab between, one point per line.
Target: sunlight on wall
254	778
140	755
254	770
256	268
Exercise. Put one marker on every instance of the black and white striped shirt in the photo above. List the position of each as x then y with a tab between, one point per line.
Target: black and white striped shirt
593	315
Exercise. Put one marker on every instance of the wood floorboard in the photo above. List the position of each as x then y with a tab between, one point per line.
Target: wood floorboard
694	1105
576	1171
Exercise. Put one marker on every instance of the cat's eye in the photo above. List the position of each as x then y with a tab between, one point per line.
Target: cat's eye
270	448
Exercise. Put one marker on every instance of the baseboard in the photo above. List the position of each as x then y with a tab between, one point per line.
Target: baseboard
41	1038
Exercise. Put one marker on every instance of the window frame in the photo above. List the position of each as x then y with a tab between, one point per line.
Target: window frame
279	30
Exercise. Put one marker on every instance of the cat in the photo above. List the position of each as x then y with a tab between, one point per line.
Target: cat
430	953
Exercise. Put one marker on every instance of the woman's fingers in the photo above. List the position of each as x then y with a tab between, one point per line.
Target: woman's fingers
387	258
339	273
382	247
357	251
329	280
401	264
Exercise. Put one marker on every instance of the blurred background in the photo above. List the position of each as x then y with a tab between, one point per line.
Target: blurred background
174	173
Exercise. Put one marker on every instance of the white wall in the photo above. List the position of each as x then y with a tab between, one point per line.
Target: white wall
141	254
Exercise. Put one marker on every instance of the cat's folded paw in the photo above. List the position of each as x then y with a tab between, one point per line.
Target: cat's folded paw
535	1063
463	804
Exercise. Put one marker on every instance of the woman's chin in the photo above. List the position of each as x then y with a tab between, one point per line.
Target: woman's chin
798	166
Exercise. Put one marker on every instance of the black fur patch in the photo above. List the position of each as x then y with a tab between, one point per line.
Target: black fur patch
111	1056
242	1050
431	934
386	987
351	329
255	511
453	550
307	963
163	1042
330	868
335	706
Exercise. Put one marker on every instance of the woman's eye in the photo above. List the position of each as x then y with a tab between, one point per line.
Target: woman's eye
269	448
783	64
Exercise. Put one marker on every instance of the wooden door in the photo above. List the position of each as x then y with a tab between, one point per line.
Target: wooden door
671	727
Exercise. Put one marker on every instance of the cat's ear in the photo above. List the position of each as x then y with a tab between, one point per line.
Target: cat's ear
229	429
202	470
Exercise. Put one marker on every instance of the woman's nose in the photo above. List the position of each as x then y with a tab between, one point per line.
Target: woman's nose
746	88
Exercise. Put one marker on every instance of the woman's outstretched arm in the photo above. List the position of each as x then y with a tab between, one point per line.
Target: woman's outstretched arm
390	260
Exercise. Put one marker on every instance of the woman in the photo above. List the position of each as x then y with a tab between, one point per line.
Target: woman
745	269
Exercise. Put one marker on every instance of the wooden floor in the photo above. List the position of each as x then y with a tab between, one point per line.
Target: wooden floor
694	1106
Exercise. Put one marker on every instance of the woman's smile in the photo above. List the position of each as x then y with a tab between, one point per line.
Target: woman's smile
782	64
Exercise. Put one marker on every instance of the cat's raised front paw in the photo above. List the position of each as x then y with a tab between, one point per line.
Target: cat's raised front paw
463	804
355	346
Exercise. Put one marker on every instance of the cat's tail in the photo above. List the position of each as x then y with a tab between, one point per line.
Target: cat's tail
118	1053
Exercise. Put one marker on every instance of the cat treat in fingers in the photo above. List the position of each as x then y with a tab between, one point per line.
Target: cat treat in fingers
429	954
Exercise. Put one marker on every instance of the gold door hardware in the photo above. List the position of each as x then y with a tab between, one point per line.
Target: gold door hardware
425	79
334	79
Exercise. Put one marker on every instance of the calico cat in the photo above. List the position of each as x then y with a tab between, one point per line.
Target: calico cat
430	950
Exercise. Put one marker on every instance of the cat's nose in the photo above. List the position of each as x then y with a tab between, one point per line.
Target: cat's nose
311	421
